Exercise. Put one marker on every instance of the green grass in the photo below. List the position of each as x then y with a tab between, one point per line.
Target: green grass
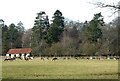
61	69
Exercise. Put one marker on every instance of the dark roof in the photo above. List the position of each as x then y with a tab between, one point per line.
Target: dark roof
19	51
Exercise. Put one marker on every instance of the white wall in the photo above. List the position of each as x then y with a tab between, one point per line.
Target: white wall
12	55
17	55
22	56
27	55
7	55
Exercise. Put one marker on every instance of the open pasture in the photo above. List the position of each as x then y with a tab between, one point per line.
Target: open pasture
60	69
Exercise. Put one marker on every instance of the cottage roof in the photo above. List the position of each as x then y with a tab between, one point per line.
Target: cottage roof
19	51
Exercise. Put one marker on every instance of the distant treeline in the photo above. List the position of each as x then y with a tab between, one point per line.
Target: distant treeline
63	36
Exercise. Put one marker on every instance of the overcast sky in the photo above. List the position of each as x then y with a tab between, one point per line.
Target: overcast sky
13	11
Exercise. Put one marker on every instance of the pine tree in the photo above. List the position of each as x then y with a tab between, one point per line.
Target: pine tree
39	32
92	29
40	28
13	35
56	29
21	30
5	39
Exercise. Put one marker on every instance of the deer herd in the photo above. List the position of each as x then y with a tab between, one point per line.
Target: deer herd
55	58
12	59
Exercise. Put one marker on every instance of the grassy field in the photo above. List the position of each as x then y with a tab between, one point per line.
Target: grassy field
60	69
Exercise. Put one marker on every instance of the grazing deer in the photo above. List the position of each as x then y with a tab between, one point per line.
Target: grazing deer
117	58
64	58
42	58
76	58
48	58
88	58
27	58
55	59
9	59
68	58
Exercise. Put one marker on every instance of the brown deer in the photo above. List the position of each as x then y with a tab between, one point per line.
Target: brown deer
26	58
9	59
54	59
76	58
42	58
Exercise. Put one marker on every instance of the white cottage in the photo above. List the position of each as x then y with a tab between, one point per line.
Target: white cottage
19	52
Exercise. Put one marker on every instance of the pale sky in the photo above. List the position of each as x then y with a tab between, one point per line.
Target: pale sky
13	11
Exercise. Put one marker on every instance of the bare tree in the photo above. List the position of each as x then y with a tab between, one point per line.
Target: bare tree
114	7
